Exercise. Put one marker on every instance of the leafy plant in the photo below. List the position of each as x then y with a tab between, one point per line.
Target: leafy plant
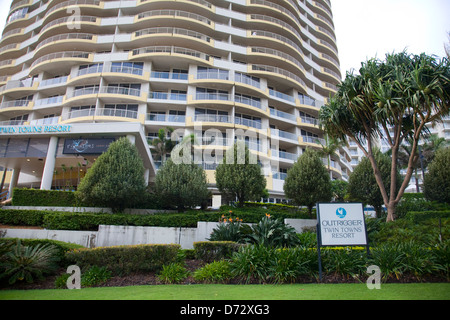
272	233
253	261
215	272
173	273
94	276
27	263
230	229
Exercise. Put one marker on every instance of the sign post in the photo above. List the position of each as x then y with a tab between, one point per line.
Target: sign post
340	224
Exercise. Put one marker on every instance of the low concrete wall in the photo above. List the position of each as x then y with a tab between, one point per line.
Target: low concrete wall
84	238
129	235
300	224
87	209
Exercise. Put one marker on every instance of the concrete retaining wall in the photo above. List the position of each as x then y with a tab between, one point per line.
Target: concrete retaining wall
129	235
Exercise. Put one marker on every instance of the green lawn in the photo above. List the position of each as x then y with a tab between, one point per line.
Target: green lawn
415	291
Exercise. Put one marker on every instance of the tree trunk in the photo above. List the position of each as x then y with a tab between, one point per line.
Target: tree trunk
390	212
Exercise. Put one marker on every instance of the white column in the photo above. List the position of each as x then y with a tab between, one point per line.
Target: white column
14	180
131	138
49	167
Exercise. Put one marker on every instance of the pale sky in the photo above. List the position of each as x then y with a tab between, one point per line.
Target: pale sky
372	28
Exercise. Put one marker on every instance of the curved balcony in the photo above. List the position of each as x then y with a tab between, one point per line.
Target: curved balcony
86	23
280	75
16	105
170	36
80	4
60	60
112	93
166	119
120	114
13	36
173	14
173	51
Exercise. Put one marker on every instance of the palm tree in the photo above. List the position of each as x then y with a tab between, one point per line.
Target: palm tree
163	144
329	148
390	99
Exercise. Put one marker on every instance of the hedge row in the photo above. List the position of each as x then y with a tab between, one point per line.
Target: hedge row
90	221
418	217
210	251
45	198
123	260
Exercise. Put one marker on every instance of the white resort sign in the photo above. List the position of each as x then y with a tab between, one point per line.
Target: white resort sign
341	224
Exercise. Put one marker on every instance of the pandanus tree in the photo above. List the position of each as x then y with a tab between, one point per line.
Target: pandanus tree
390	99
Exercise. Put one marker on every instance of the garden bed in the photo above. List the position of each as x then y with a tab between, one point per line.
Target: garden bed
151	278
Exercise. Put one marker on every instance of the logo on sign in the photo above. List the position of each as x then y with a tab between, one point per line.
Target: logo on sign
341	212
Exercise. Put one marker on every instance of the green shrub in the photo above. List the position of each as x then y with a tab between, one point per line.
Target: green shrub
209	251
253	262
345	262
49	198
22	217
60	247
125	259
230	230
28	263
418	217
95	276
61	281
215	272
173	273
272	233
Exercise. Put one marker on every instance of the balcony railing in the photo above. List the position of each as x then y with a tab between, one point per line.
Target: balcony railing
110	112
14	104
167	96
284	134
212	96
169	75
59	55
248	122
166	117
282	114
121	90
213	118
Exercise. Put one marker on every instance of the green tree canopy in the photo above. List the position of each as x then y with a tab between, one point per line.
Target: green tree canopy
181	185
437	181
239	176
308	181
390	99
116	179
362	184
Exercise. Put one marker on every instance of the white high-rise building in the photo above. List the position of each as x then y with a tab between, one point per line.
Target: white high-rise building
75	75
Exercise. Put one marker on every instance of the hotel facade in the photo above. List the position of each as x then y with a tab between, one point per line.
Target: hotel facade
76	75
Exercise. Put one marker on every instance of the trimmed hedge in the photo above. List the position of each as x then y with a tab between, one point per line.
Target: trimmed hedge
90	221
45	198
418	217
123	260
22	217
210	251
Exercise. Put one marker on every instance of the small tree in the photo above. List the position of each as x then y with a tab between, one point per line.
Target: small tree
238	177
363	185
116	179
181	185
437	181
339	189
308	182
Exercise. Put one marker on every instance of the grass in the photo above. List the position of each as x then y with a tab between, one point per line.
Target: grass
413	291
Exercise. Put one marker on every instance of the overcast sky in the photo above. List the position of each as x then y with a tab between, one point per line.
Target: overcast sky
372	28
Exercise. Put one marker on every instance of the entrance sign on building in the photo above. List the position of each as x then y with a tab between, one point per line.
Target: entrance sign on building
341	224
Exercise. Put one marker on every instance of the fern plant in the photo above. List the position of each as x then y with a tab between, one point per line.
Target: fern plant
27	263
273	233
